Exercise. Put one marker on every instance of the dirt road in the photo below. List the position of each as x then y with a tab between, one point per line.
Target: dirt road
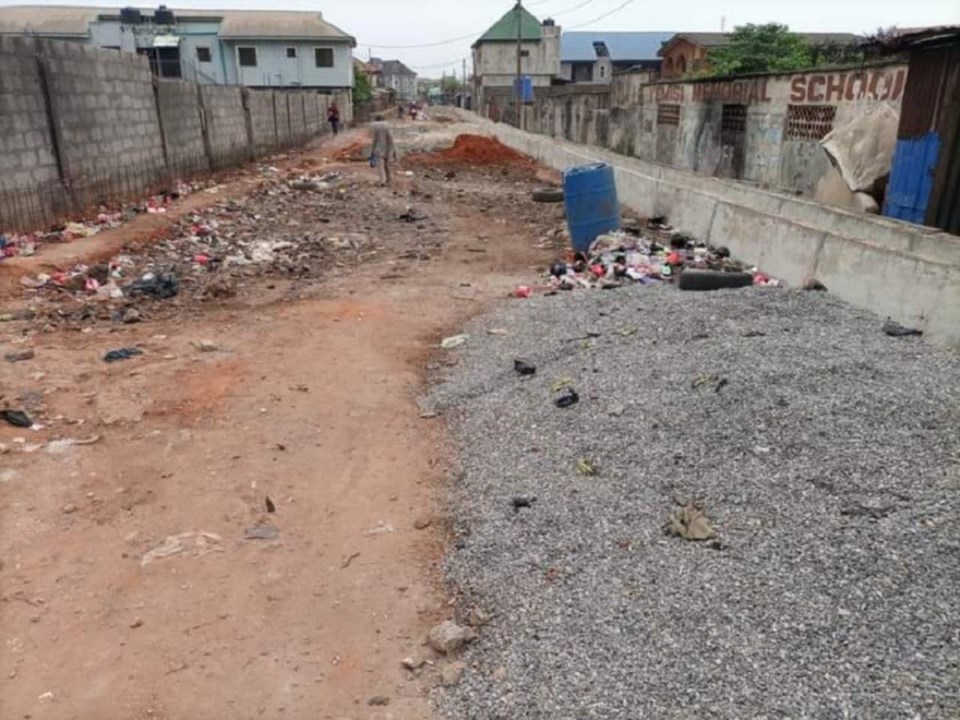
144	575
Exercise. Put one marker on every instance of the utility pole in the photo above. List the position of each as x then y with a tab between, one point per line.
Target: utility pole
518	89
463	93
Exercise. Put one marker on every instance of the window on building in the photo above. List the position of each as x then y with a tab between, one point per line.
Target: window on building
668	115
734	118
681	65
323	57
247	56
291	52
203	54
809	122
524	53
603	72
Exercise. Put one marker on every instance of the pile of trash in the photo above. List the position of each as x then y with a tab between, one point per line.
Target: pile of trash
27	244
278	229
626	256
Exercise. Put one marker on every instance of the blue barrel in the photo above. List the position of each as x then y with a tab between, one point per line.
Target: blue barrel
590	197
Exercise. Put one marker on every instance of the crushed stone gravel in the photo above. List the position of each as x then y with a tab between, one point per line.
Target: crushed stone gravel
828	464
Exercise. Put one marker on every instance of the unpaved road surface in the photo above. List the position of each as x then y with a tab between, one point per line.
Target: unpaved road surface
129	585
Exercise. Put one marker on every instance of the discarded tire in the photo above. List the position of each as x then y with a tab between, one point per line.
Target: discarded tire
711	280
548	195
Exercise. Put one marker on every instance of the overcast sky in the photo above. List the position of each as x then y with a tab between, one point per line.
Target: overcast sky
379	23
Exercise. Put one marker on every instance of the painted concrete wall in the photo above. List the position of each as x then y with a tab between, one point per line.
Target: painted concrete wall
767	152
895	269
116	131
275	69
495	63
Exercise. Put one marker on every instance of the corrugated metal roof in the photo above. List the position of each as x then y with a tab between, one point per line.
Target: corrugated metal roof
395	67
251	24
54	20
623	46
47	20
505	29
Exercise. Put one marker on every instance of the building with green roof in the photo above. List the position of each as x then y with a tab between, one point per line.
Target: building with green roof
495	57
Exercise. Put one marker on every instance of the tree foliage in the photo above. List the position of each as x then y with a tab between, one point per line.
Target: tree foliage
761	48
362	88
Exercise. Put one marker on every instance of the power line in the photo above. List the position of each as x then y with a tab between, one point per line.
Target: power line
605	15
450	41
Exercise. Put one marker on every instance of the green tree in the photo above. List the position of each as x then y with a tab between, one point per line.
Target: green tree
761	48
362	89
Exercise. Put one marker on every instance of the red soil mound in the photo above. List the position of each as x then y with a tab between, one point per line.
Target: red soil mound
475	150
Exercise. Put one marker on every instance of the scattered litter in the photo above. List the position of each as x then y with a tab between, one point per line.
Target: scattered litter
17	418
894	329
522	501
206	346
411	664
690	523
380	528
346	563
261	532
454	341
158	286
271	508
524	368
523	292
497	331
587	467
19	356
122	354
201	542
379	700
567	398
59	447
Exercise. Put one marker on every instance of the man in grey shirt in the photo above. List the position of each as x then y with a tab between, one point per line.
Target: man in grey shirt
383	150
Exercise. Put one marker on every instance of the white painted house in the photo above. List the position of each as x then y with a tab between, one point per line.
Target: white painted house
257	48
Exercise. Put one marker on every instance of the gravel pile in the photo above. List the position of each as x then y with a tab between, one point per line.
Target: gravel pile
827	462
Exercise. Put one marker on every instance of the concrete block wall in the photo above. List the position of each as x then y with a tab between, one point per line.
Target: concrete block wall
282	111
298	127
80	126
106	120
30	185
894	269
182	123
311	111
225	125
263	120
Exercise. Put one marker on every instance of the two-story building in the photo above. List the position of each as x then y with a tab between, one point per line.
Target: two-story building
396	76
495	56
257	48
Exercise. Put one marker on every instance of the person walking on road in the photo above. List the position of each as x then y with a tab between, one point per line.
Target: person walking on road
384	150
333	117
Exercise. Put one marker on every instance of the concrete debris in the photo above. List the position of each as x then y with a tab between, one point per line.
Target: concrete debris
452	674
448	637
201	543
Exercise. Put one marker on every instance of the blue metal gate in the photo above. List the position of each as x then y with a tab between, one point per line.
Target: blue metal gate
911	177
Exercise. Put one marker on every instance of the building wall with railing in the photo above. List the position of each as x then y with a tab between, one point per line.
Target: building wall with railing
81	126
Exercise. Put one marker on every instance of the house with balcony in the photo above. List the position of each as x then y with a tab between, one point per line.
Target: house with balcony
256	48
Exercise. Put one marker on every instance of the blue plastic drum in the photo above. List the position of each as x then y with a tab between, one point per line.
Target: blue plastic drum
590	197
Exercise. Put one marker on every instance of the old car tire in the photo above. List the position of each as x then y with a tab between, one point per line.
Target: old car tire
713	280
548	195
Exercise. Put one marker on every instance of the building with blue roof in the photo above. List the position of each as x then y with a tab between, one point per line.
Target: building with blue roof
593	57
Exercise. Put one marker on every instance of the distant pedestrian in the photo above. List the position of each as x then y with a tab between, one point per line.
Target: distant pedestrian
333	117
384	150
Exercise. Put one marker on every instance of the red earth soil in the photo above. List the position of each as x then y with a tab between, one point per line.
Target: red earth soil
475	150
